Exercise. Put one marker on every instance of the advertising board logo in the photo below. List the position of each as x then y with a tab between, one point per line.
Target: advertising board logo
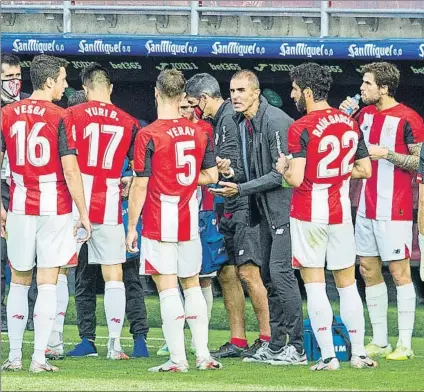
99	46
374	51
421	51
35	45
225	67
237	48
169	47
305	50
177	66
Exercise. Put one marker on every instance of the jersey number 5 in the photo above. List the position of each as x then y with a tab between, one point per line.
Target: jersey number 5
183	159
93	131
28	145
349	139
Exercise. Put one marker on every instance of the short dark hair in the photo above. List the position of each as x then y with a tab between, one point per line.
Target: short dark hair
203	83
171	83
76	98
95	74
249	75
44	67
10	59
314	76
385	74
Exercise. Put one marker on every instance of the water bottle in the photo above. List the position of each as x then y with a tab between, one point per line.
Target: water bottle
81	233
355	100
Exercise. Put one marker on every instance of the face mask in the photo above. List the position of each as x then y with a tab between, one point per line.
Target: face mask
12	87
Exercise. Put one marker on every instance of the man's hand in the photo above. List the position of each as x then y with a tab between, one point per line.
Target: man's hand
126	181
282	164
223	165
229	189
377	152
83	223
131	241
347	104
3	221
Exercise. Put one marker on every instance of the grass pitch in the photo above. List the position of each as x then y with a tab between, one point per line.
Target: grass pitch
98	374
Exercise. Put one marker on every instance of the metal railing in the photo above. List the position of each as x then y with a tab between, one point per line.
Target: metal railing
323	9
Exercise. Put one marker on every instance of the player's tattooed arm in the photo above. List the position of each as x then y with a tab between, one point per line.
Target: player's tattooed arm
406	161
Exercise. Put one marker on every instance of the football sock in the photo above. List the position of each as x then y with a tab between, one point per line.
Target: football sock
241	343
44	316
352	314
196	315
321	316
265	338
378	305
406	302
62	306
173	319
115	310
17	317
208	295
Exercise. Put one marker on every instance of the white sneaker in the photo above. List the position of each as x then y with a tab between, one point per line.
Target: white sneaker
328	364
207	364
12	366
55	352
363	361
172	367
289	356
36	367
262	355
116	355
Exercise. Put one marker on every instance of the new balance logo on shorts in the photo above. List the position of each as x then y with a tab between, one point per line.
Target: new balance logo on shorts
279	231
116	320
18	316
322	329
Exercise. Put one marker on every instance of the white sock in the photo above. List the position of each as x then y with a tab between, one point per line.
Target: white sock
44	316
172	313
208	295
406	302
115	311
352	314
378	306
321	316
17	317
62	306
196	314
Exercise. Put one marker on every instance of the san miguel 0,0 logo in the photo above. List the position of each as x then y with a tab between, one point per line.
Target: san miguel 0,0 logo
169	47
237	48
372	50
34	45
303	49
98	46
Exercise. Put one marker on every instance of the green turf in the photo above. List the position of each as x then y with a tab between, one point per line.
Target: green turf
98	374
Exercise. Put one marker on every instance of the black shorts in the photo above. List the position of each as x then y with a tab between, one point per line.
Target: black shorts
241	240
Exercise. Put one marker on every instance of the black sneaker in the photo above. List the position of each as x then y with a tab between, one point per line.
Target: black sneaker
251	351
228	350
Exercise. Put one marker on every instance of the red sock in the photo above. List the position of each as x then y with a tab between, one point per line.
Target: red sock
265	338
242	343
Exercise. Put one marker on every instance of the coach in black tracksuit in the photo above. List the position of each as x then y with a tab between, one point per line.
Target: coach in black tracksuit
263	134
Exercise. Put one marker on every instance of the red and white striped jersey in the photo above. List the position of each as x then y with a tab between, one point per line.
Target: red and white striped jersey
104	136
387	195
172	153
35	138
330	141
